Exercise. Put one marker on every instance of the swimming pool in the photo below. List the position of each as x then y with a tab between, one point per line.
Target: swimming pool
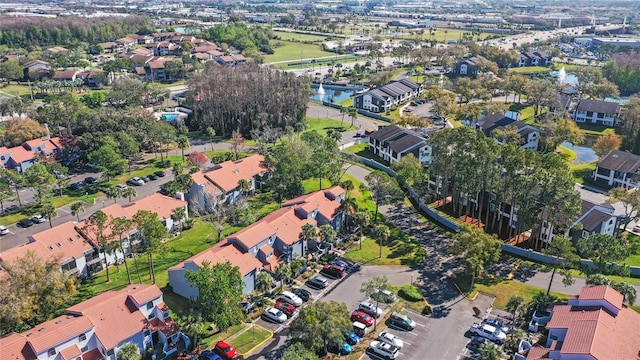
169	116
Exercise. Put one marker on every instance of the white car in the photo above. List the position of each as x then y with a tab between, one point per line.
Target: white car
390	339
291	298
38	219
276	315
370	309
384	350
489	332
3	230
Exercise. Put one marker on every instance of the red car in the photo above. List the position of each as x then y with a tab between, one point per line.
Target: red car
227	351
286	308
334	270
362	317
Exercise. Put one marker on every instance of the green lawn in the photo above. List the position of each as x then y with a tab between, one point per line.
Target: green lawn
250	338
15	89
530	70
581	171
501	289
526	112
322	125
568	154
210	340
400	249
292	51
345	102
363	150
299	37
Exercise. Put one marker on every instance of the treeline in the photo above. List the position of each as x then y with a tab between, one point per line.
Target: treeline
246	98
68	31
624	71
241	36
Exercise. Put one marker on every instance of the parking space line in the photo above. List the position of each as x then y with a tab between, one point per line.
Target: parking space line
408	343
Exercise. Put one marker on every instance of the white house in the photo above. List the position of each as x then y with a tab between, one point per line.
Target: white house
618	169
597	112
530	134
98	327
392	142
384	97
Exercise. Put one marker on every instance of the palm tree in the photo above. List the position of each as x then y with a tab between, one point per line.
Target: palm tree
362	220
353	114
347	207
283	273
49	211
76	209
121	227
178	214
383	233
212	134
183	143
96	225
193	325
113	192
129	351
264	281
309	233
129	192
514	304
328	234
343	111
245	186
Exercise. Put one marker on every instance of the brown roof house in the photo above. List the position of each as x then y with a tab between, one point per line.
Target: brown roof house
98	327
221	183
37	69
594	325
598	112
262	245
618	169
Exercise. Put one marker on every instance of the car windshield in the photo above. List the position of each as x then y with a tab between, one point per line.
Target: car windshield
497	332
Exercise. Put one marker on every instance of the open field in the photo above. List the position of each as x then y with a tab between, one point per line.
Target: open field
293	36
291	51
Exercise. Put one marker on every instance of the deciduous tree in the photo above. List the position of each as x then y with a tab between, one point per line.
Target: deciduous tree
198	159
604	251
19	130
606	143
319	323
383	188
476	250
153	232
219	293
561	249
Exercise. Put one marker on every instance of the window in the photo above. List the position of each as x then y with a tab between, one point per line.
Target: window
110	352
147	333
150	305
51	352
82	337
152	315
84	349
585	234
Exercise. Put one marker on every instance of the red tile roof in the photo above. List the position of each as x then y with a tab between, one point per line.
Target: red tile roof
19	154
253	234
156	203
167	327
14	347
327	207
221	253
538	352
56	142
94	354
602	292
287	225
227	175
54	332
70	352
62	240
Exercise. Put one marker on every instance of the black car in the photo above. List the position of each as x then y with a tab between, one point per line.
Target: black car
159	173
76	186
303	294
90	180
10	209
25	223
153	177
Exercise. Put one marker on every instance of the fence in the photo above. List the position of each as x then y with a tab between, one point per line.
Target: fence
447	223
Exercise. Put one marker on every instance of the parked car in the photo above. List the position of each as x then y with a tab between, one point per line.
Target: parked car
489	332
3	230
317	282
384	350
497	324
291	298
121	186
136	181
361	316
340	347
351	337
275	315
209	355
370	309
159	173
478	341
227	351
402	321
334	271
25	223
303	294
90	180
384	296
153	177
76	186
145	179
38	219
286	308
11	208
390	339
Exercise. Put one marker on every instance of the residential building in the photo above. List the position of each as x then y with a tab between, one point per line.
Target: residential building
593	325
385	97
20	158
125	43
469	66
530	134
618	169
231	60
221	183
535	58
561	105
55	51
108	47
392	142
93	78
598	112
63	242
65	75
262	245
37	69
594	219
98	327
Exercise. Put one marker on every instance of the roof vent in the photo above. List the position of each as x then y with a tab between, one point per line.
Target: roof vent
70	239
50	247
59	245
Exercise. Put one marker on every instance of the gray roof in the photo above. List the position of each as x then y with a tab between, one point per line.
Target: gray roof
385	132
599	106
620	161
587	205
594	219
562	102
404	142
410	83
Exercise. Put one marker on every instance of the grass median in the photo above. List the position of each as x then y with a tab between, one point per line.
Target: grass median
250	338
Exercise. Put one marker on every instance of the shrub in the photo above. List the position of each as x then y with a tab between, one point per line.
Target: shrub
410	293
426	310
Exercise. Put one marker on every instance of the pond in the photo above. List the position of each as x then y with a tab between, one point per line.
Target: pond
330	93
583	154
564	77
